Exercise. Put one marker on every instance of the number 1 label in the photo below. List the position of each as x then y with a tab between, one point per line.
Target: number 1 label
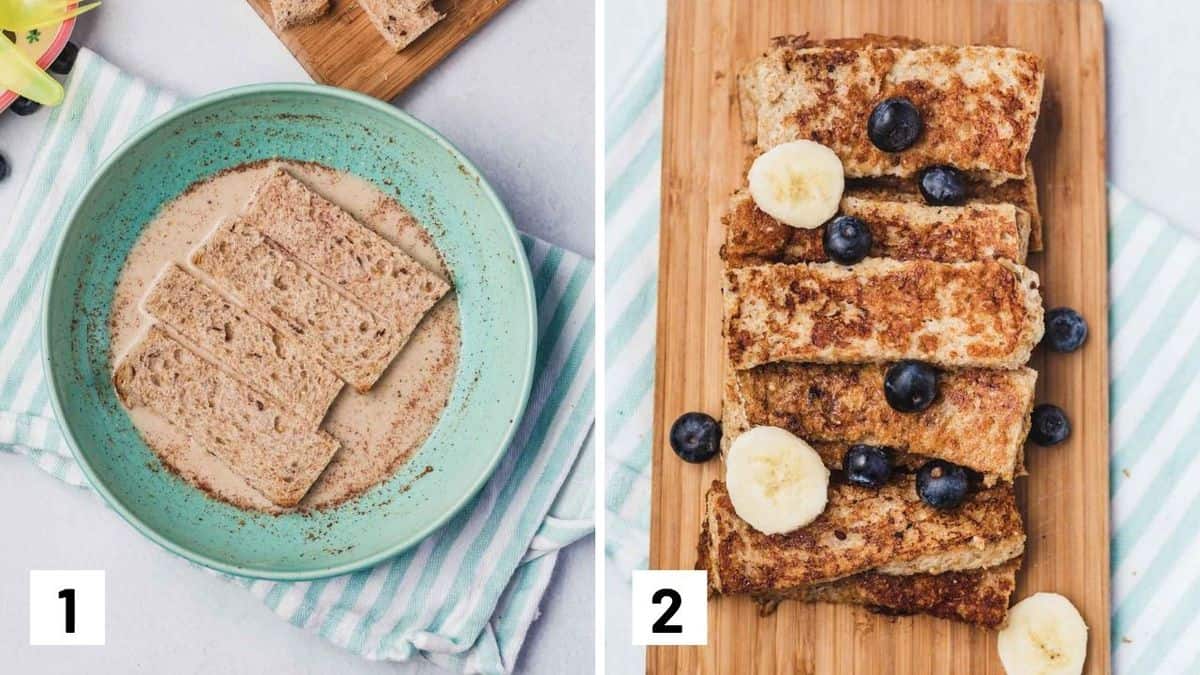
66	607
68	594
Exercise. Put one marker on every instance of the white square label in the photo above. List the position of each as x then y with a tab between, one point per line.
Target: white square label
670	607
66	607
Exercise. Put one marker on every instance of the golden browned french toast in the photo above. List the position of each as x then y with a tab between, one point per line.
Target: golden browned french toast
975	314
734	422
979	420
979	104
1020	192
887	530
977	597
901	230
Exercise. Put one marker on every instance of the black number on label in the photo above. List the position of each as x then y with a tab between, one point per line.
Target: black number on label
68	594
672	596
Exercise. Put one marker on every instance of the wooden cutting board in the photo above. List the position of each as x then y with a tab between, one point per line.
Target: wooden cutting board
343	49
1065	498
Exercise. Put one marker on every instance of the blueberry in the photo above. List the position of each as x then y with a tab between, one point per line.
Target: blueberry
910	386
894	124
66	59
941	484
867	465
1050	425
5	169
847	240
943	186
1065	329
23	106
696	437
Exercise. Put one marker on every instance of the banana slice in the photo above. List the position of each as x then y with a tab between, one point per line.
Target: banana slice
777	482
798	183
1045	635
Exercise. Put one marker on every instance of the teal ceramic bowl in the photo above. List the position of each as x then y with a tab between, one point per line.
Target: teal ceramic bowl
351	133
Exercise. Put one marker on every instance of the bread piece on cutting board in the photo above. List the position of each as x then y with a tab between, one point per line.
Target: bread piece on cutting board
292	13
401	21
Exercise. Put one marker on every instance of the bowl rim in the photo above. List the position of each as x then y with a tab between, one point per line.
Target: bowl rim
218	98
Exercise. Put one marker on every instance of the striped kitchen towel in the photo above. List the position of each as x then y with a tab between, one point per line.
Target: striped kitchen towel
1154	278
633	149
457	605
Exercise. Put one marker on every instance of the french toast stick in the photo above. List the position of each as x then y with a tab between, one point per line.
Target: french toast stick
900	230
887	530
985	314
979	420
979	104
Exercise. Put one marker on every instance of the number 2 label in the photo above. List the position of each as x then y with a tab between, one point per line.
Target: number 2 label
671	596
670	607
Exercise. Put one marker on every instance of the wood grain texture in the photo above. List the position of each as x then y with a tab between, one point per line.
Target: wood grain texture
343	49
1065	498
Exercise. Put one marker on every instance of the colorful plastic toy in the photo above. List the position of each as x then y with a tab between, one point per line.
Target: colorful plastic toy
18	72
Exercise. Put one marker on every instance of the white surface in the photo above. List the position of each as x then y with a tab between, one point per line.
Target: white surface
1153	137
492	98
1154	105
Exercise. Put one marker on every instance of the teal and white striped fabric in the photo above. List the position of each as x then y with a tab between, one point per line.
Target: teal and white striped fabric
466	596
1155	294
1154	286
633	149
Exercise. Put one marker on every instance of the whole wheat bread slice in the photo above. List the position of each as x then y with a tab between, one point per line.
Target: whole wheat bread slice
352	256
401	21
277	453
255	353
292	13
353	341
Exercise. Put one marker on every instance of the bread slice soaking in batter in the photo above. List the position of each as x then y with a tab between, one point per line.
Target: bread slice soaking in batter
276	452
356	343
254	352
320	234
